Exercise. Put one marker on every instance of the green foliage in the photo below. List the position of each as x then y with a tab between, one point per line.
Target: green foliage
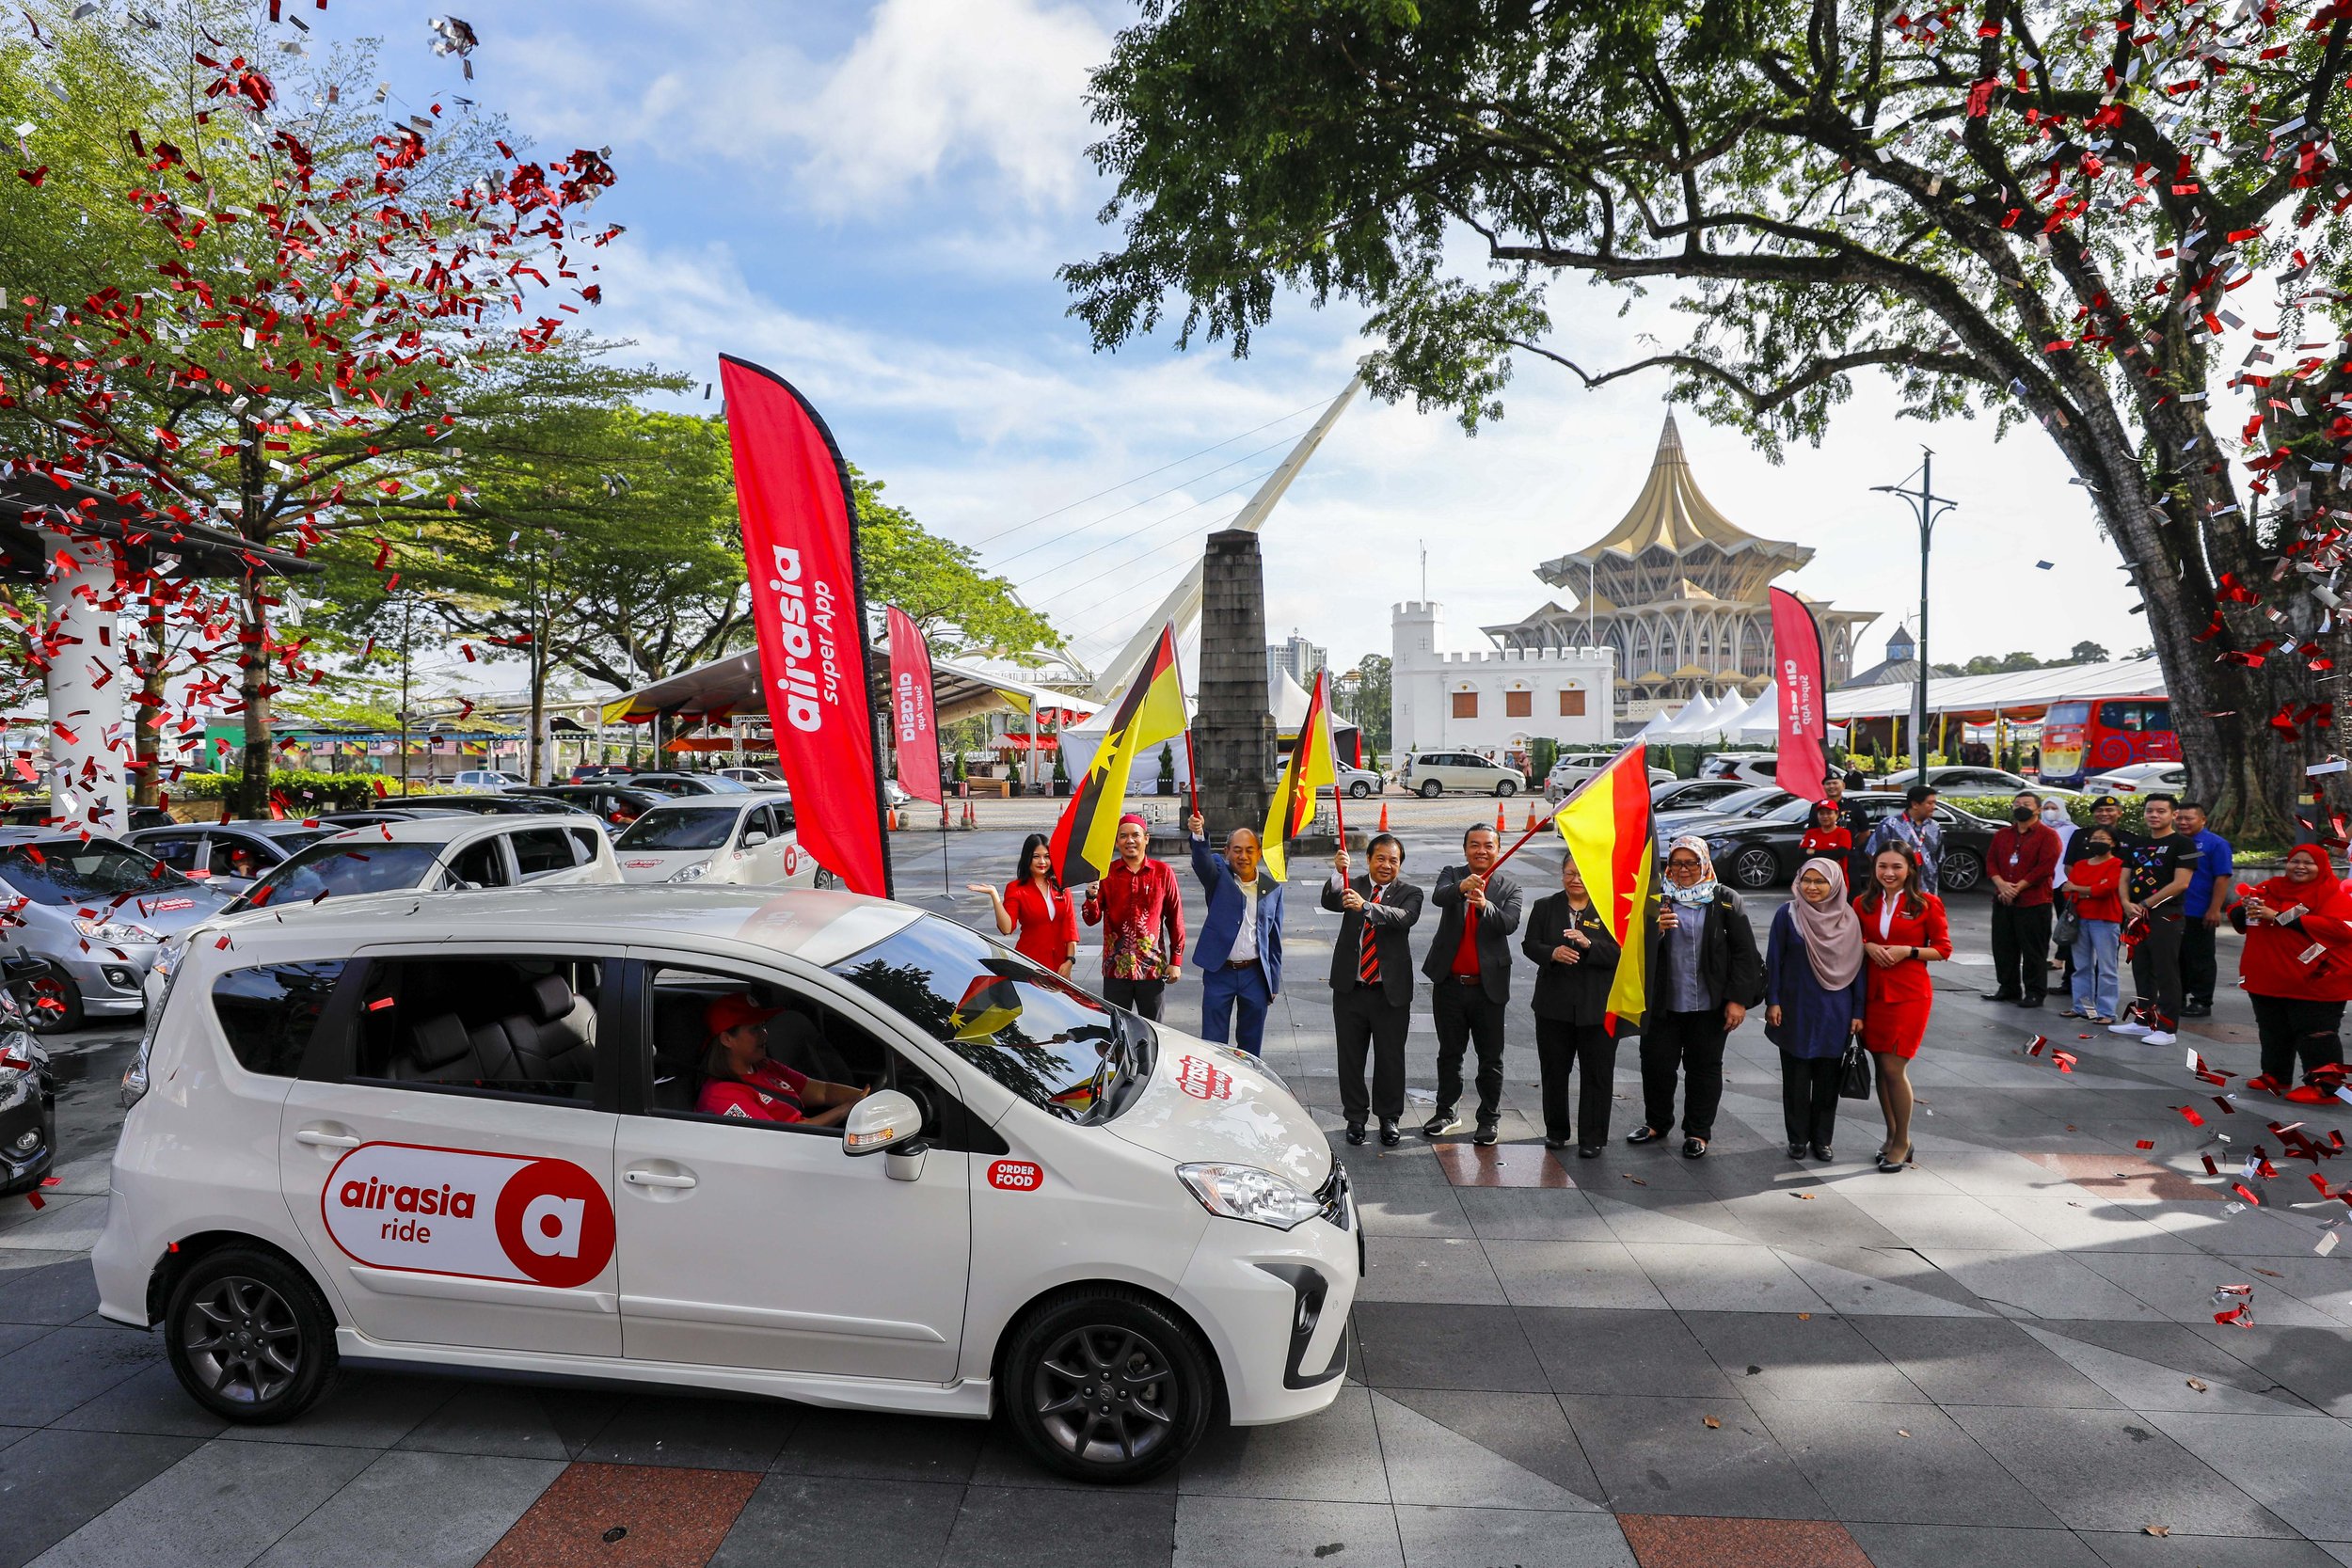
301	786
1542	753
1361	698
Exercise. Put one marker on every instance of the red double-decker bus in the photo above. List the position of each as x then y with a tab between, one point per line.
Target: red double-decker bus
2095	735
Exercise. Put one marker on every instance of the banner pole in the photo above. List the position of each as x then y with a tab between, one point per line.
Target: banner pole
1523	838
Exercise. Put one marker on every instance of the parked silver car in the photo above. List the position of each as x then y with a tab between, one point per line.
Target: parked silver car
227	856
97	912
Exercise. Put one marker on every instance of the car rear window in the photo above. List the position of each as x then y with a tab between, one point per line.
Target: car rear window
62	871
269	1013
334	868
680	828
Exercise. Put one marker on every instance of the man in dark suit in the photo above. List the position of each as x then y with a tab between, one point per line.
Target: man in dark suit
1372	984
1240	951
1469	965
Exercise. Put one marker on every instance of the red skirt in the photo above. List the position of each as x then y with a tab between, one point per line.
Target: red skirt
1893	1027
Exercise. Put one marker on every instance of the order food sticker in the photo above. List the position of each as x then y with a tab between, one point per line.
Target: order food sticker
1016	1176
455	1212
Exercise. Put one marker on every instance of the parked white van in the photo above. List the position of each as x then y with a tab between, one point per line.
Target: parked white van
494	1130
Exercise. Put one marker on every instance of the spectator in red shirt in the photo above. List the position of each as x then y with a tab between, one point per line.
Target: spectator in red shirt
1033	905
1141	912
1828	835
2020	862
2297	969
741	1080
2094	885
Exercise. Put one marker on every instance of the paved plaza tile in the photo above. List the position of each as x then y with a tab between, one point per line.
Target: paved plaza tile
2004	1355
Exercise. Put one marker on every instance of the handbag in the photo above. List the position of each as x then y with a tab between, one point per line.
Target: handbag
1854	1081
2065	929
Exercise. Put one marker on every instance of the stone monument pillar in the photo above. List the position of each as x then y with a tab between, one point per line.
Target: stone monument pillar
1233	733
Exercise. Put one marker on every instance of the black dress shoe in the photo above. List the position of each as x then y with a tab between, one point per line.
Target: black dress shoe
1823	1151
1555	1143
1694	1149
1996	996
2029	1002
2197	1009
1796	1151
1354	1132
1588	1152
1643	1136
1389	1136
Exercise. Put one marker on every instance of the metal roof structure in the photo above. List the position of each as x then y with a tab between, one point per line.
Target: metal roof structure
2015	694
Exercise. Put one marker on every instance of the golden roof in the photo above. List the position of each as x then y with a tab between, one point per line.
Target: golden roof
1671	514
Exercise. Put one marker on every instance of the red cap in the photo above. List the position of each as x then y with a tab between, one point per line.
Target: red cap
733	1011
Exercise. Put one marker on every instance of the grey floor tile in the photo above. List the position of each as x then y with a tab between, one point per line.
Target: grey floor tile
1659	1456
54	1482
843	1522
2307	1362
15	1435
1330	1457
1529	1430
1430	1463
58	1292
1970	1546
2148	1386
2106	1470
2138	1549
1779	1356
1590	1350
364	1410
417	1510
2182	1293
514	1420
2038	1283
2084	1224
1670	1217
1725	1279
150	1402
878	1446
1880	1282
69	1366
1945	1220
1484	1537
1980	1361
706	1433
998	1527
1254	1532
2294	1466
1412	1344
1420	1211
17	1335
221	1507
1573	1273
1899	1464
1532	1214
1413	1268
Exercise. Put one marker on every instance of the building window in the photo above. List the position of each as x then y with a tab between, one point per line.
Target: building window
1518	705
1465	704
1571	704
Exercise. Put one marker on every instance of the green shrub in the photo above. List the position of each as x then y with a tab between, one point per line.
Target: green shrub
302	787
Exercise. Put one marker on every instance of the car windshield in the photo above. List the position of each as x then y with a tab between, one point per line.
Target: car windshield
1799	810
65	871
1032	1031
680	828
340	868
1733	805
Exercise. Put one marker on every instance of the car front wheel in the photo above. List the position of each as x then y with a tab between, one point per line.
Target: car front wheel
1960	871
1358	789
1753	868
1106	1385
249	1336
1506	789
1431	790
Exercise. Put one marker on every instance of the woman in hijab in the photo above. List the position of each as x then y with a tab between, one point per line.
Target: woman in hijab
1033	905
1904	930
1813	998
1576	964
2297	967
1704	975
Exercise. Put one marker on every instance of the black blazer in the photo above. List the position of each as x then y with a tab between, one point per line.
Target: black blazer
1577	992
1391	920
1493	930
1730	967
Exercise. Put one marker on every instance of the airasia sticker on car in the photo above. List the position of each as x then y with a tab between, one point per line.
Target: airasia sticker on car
1016	1176
1203	1079
455	1212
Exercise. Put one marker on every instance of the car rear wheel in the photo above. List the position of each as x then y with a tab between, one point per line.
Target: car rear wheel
1506	789
1753	868
51	1002
249	1336
1431	789
1358	789
1960	871
1107	1386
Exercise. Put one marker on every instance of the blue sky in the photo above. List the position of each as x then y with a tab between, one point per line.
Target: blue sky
872	199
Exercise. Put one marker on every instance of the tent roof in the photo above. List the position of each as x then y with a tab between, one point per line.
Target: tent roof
2016	694
731	685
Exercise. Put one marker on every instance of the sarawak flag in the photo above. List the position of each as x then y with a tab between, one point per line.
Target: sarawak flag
913	717
1607	826
800	542
1309	767
1152	711
990	1002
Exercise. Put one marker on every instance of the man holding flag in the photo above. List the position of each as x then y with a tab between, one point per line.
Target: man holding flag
1240	951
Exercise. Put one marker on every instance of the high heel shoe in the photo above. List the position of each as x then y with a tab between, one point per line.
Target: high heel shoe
1888	1167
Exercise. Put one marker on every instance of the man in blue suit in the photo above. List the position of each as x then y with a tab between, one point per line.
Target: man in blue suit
1240	951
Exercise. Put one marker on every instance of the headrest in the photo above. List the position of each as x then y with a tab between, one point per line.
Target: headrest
550	998
437	1042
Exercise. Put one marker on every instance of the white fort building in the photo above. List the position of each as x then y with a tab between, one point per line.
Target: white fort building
1670	603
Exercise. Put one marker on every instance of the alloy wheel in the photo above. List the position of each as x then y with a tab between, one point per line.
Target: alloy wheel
1105	1395
242	1339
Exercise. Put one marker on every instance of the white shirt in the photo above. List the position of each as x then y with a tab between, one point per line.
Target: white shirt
1246	940
1887	918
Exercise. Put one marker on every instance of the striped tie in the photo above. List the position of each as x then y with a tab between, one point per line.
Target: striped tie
1368	950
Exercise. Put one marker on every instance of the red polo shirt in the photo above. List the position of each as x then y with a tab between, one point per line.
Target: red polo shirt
2029	857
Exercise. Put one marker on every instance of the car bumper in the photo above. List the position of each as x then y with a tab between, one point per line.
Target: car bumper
22	1168
1275	1304
110	986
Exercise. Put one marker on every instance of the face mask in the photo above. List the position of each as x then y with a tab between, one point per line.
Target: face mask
2022	814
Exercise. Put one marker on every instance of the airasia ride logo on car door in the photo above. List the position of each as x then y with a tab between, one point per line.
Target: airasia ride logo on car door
455	1212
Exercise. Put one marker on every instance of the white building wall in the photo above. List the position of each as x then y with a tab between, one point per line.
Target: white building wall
1426	676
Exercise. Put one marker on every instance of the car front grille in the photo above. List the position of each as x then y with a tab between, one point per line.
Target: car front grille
1332	1195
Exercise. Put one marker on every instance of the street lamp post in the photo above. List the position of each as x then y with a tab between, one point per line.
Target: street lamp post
1927	506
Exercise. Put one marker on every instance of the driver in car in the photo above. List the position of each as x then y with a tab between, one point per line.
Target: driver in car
741	1080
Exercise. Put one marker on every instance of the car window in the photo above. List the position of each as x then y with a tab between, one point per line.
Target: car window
680	828
784	819
523	1025
1790	811
340	869
801	1034
268	1014
1765	803
228	855
176	851
62	871
541	850
584	841
479	863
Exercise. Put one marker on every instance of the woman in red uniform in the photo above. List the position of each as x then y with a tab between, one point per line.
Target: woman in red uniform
1903	931
1035	906
1827	837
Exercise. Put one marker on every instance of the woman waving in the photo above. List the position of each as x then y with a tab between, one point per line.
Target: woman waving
1033	905
1904	930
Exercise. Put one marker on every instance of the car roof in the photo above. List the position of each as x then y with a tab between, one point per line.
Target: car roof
820	927
439	830
709	802
71	839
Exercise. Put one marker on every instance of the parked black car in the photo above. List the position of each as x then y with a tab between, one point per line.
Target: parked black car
1694	794
1756	852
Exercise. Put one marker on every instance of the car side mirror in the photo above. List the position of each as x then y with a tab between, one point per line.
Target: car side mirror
753	840
885	1118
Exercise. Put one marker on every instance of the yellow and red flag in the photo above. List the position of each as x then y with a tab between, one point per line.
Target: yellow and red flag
1607	826
1309	769
1152	711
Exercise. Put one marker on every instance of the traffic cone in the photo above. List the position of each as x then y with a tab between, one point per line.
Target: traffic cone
1497	819
1532	818
1384	816
893	820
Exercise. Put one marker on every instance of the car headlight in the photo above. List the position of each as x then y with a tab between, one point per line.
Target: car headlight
691	873
1247	1193
117	933
21	1057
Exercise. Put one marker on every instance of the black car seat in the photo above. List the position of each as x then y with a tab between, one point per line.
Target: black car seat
554	1038
678	1044
438	1051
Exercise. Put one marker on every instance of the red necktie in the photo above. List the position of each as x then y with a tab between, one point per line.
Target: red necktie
1368	951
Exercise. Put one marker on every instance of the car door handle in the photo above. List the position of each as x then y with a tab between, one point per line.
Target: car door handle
655	1178
319	1138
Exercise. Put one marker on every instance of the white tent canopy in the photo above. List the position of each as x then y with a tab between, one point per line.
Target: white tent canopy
1761	720
2022	693
1705	720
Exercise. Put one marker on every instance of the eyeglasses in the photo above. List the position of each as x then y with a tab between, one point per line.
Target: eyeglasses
1682	865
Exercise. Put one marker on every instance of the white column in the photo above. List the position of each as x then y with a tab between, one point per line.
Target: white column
87	682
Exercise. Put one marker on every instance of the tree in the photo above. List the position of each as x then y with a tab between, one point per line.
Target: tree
2086	652
2042	210
1985	664
1361	697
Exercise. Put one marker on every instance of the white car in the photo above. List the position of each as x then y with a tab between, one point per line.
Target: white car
488	777
1755	768
756	777
2140	778
1430	774
739	839
432	854
1964	779
463	1132
1571	771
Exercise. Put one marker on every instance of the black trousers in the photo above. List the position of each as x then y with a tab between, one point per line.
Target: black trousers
2292	1031
2021	949
1462	1014
1366	1020
1693	1045
2156	968
1144	997
1808	1098
2198	969
1590	1051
